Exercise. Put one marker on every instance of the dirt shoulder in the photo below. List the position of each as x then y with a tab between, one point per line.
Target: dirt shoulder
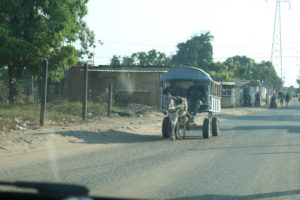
19	147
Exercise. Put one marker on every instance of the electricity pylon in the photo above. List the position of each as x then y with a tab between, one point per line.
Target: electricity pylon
276	56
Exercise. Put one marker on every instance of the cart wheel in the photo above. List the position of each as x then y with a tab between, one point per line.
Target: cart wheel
215	126
166	128
206	128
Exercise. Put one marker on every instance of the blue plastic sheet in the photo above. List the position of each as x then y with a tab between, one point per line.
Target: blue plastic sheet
186	73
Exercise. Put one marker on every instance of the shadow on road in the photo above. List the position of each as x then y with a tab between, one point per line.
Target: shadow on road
245	147
291	118
278	153
271	195
290	129
106	137
193	137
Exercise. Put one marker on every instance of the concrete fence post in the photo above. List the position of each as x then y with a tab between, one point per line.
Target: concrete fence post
109	107
44	92
85	91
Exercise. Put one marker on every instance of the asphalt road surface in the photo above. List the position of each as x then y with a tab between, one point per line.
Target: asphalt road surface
257	156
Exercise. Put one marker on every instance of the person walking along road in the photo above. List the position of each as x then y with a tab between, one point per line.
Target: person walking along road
281	97
287	99
257	99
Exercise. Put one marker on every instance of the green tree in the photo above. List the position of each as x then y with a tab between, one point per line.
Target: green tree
157	58
140	58
247	69
32	30
265	72
150	58
196	52
115	61
219	72
242	67
127	61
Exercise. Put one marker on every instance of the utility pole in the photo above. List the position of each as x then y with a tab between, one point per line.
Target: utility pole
85	89
109	106
44	92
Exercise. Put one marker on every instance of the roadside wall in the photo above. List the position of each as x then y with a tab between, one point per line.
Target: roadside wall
128	87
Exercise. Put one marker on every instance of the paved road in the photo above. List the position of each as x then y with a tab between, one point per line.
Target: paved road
256	157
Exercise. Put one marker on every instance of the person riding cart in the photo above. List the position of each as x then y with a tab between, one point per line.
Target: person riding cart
172	89
195	96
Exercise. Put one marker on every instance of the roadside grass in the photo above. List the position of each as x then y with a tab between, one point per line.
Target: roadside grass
56	112
27	112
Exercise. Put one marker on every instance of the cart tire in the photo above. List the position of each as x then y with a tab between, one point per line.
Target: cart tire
206	128
166	128
215	126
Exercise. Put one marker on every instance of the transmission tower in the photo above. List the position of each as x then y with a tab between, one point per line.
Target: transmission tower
276	56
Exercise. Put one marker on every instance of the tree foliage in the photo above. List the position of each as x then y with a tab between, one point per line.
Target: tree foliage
298	81
115	60
32	30
219	71
245	68
196	52
150	58
242	66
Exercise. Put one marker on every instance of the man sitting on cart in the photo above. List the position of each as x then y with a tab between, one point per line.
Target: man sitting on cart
173	89
194	96
173	92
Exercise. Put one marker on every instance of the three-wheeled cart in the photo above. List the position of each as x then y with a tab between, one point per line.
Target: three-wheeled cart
183	78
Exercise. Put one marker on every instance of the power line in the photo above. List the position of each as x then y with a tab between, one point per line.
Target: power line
137	44
254	57
172	46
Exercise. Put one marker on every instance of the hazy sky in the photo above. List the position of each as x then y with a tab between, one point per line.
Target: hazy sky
239	27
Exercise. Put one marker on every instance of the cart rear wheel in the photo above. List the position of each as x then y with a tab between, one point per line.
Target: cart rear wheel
206	128
215	126
166	128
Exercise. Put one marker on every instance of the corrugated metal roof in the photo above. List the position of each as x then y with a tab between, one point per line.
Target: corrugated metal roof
148	69
107	68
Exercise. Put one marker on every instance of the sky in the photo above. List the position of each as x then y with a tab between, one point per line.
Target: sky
239	27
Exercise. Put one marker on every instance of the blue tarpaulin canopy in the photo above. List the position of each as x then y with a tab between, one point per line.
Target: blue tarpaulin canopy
186	73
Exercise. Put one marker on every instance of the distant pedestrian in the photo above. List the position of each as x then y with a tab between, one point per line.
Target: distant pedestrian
287	99
267	99
281	98
249	100
257	99
273	103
